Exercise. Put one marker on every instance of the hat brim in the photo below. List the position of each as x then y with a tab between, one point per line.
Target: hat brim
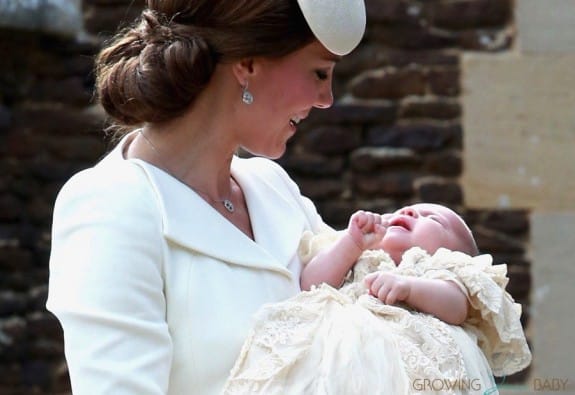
338	24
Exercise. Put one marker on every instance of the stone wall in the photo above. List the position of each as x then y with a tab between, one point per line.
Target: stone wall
393	137
519	139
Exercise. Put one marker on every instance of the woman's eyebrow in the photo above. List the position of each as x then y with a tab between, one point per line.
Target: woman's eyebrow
332	58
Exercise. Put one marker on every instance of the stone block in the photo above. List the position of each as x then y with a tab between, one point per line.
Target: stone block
486	40
84	147
489	240
310	164
22	144
10	377
546	26
11	208
438	190
552	320
15	259
58	119
5	119
397	184
470	14
512	222
519	131
370	159
105	20
419	136
429	108
418	37
447	163
392	11
355	111
330	140
375	56
321	188
55	16
389	83
71	90
336	212
444	81
519	285
12	303
511	259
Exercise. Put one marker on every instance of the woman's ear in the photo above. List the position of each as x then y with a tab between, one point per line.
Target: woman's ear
243	70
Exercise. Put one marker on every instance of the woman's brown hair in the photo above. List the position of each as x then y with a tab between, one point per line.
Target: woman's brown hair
153	70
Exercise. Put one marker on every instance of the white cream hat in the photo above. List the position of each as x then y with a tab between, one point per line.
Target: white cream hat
338	24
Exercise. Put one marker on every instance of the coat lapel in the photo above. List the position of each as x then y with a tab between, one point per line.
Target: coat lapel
277	220
191	222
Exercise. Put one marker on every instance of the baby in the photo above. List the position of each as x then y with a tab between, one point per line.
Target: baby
428	226
417	306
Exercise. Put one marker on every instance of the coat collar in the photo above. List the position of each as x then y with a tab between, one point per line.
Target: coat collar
189	221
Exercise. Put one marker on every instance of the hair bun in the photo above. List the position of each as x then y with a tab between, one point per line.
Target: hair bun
153	30
153	72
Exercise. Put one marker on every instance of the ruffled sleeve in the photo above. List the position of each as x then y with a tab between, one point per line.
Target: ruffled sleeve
494	317
312	243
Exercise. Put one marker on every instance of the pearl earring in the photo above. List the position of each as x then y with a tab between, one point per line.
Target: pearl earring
247	96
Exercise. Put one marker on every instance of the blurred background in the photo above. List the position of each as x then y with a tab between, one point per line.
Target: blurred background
469	103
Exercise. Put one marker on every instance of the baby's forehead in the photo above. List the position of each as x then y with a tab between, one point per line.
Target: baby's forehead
451	216
434	209
457	224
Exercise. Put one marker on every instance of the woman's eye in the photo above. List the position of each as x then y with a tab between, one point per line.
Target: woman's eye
321	75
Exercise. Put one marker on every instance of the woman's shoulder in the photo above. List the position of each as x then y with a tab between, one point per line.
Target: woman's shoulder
112	181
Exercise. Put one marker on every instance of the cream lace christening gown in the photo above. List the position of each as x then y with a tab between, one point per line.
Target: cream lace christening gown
345	342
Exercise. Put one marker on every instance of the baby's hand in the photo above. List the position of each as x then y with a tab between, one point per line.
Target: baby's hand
366	229
388	287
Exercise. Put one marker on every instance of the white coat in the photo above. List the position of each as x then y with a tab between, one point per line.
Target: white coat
153	287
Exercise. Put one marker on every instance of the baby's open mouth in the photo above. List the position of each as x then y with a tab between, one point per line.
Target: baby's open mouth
401	222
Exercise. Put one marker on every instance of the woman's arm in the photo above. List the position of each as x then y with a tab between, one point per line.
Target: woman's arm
332	264
441	298
106	285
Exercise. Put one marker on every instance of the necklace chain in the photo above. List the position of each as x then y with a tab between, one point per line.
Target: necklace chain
227	203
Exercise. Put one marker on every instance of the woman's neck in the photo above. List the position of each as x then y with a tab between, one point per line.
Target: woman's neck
199	158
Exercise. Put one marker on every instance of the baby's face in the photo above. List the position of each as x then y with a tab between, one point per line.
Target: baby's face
429	226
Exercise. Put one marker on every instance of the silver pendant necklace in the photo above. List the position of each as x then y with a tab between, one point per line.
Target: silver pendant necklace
227	203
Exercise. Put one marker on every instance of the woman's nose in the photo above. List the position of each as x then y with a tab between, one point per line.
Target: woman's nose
325	97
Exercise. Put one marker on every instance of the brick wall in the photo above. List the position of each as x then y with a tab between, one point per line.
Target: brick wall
393	137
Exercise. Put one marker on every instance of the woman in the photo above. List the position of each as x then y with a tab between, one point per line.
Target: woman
149	300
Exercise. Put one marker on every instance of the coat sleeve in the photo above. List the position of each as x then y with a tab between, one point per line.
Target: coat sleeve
106	284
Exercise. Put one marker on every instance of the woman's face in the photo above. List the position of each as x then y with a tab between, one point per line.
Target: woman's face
285	90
